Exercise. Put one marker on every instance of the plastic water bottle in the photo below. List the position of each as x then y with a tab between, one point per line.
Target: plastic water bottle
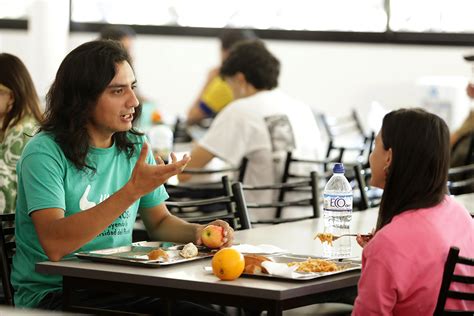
161	140
337	213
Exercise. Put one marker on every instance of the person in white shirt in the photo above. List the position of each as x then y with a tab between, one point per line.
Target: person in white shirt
262	124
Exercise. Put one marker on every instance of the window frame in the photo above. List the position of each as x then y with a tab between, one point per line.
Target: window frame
387	37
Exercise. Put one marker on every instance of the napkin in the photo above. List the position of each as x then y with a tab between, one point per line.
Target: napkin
260	249
280	269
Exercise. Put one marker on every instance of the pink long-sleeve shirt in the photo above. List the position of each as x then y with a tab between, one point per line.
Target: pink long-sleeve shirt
402	266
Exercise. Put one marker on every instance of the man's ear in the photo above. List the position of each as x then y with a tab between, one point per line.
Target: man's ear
240	78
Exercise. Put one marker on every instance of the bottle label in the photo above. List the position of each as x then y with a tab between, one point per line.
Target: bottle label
338	202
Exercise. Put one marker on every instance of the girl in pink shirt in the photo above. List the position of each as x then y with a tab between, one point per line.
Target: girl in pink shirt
402	265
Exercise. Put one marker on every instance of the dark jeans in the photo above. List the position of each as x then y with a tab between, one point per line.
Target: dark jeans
125	303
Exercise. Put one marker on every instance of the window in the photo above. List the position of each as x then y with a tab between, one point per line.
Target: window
17	9
432	16
310	15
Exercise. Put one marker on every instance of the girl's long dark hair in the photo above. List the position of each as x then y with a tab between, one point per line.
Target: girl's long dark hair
82	77
16	77
418	174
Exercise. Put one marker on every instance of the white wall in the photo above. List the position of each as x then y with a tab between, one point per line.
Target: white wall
331	77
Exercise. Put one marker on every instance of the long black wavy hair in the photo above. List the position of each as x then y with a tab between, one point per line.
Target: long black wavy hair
81	78
15	76
418	174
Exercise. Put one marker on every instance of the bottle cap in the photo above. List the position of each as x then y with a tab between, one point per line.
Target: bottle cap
338	168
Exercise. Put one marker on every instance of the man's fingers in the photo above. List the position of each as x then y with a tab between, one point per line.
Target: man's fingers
143	153
173	157
170	169
159	160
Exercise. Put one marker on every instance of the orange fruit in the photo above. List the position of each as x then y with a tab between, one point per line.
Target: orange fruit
228	264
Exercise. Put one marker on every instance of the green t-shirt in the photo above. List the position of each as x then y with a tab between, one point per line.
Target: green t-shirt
46	179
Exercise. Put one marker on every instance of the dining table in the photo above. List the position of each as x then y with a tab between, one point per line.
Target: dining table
191	281
467	200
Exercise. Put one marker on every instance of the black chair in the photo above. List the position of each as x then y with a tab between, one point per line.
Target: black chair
341	129
203	190
292	163
183	133
449	277
367	196
180	133
308	188
230	207
7	250
461	180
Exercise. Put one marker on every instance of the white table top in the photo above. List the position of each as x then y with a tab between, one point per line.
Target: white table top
296	237
467	200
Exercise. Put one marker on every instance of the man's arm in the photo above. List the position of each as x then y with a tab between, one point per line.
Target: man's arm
161	225
61	235
195	113
200	158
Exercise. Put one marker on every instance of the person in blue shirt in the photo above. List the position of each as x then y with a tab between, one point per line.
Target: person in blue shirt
84	177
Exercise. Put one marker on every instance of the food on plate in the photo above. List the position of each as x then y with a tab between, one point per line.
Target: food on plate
189	251
212	236
253	264
228	264
325	237
157	254
314	265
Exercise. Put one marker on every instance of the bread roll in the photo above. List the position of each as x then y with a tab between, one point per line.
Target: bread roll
158	253
189	251
253	264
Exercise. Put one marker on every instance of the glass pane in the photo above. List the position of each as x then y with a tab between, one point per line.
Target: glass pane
331	15
432	16
17	9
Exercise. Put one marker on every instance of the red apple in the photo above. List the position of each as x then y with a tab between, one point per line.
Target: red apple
212	236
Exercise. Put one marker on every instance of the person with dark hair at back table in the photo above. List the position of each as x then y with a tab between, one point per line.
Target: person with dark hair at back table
403	263
84	177
216	93
261	124
20	115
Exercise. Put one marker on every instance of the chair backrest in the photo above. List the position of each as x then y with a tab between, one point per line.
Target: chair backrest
205	190
306	187
238	171
7	250
368	196
449	277
180	133
290	172
222	207
461	179
342	125
184	133
347	135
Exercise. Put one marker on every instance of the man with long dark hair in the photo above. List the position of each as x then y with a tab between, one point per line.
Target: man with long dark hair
85	176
